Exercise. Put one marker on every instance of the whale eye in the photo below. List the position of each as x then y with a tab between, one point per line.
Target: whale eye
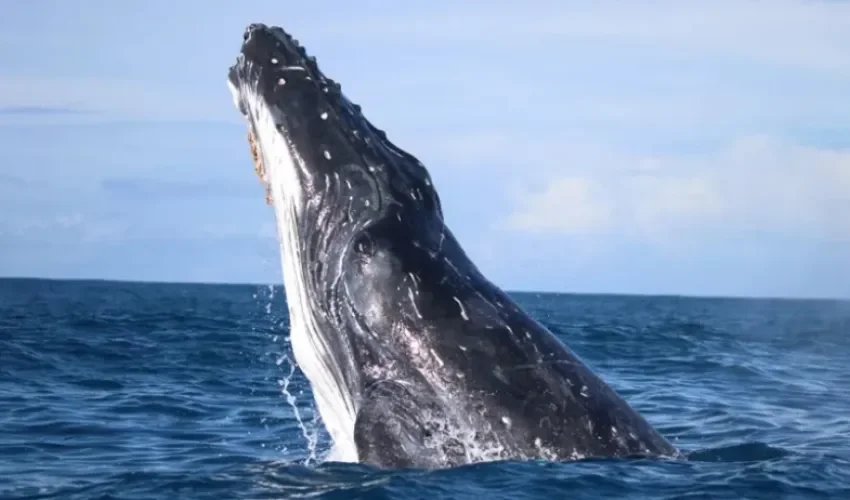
363	245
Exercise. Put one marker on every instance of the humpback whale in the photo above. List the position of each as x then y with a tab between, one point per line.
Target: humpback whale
414	357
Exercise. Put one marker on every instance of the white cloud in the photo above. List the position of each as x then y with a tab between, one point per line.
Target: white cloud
568	204
752	185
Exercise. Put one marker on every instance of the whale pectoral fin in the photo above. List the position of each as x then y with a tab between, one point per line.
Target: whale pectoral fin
391	430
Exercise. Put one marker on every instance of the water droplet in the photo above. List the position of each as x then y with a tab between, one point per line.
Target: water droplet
281	82
274	60
324	115
327	154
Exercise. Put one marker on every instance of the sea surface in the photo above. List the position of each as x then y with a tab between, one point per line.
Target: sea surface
169	391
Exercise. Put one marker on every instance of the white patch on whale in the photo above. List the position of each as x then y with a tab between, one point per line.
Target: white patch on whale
310	349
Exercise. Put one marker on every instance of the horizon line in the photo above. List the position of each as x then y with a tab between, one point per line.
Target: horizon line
507	290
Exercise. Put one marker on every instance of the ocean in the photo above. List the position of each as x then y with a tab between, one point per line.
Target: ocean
114	390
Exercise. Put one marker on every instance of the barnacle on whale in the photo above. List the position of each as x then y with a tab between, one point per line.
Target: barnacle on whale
259	169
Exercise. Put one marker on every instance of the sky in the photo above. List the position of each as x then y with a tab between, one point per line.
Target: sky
653	147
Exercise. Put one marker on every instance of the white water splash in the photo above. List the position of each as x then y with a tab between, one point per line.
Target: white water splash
311	434
310	427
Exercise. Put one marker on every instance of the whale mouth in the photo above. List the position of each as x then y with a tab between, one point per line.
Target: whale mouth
290	104
264	85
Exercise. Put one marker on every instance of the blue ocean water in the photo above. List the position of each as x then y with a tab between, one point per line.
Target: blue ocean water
140	391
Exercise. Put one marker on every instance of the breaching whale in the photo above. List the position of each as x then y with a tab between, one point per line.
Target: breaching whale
415	358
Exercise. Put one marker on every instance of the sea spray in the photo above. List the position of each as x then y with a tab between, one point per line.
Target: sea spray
307	417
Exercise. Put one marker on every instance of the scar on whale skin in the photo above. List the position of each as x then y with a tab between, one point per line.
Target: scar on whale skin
259	169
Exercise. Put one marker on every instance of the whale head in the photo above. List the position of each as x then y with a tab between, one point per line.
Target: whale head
311	145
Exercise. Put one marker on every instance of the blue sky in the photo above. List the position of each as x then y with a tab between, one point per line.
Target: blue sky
641	147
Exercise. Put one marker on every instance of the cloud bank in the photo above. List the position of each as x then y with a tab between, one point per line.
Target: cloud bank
753	185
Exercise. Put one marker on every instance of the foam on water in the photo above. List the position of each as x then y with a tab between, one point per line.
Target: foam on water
310	433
